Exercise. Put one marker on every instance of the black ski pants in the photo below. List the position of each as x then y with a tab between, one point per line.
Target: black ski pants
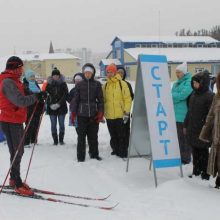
118	141
87	126
185	149
31	134
13	133
200	160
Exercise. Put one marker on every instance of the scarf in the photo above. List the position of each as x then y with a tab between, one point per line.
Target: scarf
33	87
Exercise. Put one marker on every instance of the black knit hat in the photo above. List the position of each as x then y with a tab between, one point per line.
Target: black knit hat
14	63
55	72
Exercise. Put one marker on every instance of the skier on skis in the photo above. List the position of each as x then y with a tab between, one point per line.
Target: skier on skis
13	114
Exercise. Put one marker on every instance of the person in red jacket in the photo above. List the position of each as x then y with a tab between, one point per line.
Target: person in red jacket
13	114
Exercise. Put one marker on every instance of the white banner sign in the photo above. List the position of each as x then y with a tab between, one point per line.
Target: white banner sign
160	112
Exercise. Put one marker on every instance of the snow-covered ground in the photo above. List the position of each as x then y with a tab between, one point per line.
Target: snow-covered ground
55	168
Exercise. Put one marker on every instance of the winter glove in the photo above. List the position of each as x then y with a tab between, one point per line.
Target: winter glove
54	107
41	96
126	117
99	117
73	117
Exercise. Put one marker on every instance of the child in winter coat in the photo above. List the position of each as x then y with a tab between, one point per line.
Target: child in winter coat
211	133
87	106
199	105
31	87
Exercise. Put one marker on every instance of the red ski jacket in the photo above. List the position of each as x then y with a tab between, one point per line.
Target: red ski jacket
9	112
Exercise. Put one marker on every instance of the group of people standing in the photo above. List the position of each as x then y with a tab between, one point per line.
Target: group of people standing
25	102
92	102
196	112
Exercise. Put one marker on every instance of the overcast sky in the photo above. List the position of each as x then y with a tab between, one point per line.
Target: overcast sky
31	24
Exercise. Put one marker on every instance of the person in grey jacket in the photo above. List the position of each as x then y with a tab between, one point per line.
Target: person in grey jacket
13	114
88	106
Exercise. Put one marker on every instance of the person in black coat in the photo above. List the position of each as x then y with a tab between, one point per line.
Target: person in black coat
88	106
78	77
31	87
56	104
121	70
199	105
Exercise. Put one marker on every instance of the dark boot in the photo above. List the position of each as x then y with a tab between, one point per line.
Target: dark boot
95	157
61	136
205	176
196	171
98	158
217	182
55	139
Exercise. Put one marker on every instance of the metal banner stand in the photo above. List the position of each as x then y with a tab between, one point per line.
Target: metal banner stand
153	127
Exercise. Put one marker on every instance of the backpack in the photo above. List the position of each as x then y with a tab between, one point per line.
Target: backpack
129	86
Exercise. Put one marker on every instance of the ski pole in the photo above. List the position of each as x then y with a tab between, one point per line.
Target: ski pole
19	146
35	141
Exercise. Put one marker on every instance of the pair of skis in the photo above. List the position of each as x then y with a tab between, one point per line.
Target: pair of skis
10	191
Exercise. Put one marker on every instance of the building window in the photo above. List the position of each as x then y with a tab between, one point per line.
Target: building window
154	45
199	70
117	44
215	69
138	45
118	54
199	45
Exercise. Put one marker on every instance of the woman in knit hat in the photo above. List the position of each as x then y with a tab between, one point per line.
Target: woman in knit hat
56	104
117	105
13	102
180	92
31	87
